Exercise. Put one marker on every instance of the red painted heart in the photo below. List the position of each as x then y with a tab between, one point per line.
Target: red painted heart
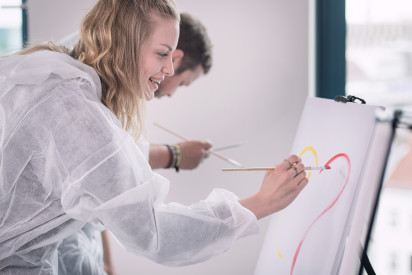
342	155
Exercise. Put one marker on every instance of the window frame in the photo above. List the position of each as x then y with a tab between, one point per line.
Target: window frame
330	48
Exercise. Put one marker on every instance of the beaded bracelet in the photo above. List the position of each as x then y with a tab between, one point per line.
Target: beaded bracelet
178	157
173	161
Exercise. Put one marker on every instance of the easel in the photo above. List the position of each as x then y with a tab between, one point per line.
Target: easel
329	237
398	120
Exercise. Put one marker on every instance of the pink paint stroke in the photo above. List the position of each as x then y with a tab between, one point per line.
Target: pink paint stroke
326	209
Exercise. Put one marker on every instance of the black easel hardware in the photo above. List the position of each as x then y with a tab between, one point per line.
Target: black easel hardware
367	264
405	120
349	98
396	122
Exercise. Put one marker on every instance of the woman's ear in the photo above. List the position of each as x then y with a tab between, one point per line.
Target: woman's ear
177	56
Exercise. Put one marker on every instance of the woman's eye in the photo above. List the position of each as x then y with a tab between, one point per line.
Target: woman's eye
163	54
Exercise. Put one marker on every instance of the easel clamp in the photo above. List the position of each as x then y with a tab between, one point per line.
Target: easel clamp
349	98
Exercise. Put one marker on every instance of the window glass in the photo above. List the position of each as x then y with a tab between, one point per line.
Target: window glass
379	70
379	51
10	26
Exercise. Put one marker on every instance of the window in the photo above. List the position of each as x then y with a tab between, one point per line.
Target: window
393	262
379	51
410	263
394	219
11	26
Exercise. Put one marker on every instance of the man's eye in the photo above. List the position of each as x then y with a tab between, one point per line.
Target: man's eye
164	54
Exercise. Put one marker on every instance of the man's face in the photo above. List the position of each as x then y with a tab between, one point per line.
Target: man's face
171	83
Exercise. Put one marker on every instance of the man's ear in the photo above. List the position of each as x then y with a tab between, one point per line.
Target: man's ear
177	56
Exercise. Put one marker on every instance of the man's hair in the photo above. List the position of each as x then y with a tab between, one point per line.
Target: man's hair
195	43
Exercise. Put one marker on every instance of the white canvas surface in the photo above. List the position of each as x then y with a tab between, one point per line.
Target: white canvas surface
308	237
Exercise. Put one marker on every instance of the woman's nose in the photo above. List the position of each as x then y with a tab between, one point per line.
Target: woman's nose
168	68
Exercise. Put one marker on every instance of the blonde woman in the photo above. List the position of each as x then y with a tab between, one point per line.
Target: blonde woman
88	250
68	131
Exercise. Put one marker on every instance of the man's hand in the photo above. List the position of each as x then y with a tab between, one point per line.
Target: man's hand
193	153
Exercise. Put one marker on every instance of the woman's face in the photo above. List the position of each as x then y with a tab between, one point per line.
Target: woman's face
157	54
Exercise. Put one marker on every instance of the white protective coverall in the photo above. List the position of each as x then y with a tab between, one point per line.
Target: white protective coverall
65	160
82	252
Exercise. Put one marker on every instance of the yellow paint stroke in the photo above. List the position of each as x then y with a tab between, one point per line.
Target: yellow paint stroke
276	233
310	149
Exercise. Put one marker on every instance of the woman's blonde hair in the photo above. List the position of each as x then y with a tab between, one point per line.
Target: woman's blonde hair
112	37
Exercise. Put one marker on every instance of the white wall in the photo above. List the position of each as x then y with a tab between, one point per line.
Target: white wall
53	20
255	92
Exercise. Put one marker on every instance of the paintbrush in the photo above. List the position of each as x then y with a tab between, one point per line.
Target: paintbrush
226	147
229	160
326	167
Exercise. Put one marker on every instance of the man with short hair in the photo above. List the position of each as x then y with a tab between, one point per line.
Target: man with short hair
191	59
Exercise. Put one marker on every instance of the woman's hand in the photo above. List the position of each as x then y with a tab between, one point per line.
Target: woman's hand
279	188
